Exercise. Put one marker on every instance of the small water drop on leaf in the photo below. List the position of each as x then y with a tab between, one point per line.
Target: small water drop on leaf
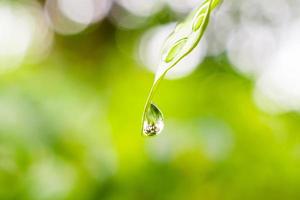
153	123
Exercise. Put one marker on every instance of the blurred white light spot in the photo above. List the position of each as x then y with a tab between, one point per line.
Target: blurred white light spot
280	82
15	35
251	47
80	11
101	9
219	30
61	23
141	7
183	6
150	52
42	35
275	12
125	20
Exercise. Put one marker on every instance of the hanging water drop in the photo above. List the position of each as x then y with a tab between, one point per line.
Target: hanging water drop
153	123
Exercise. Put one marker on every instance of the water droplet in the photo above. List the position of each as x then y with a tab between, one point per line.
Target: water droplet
153	123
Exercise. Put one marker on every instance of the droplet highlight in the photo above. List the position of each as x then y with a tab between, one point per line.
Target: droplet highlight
153	123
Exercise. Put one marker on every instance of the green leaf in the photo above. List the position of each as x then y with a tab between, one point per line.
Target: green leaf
180	43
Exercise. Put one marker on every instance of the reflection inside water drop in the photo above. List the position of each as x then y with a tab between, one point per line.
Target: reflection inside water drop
153	123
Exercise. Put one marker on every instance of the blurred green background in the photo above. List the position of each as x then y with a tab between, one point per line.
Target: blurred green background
70	122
